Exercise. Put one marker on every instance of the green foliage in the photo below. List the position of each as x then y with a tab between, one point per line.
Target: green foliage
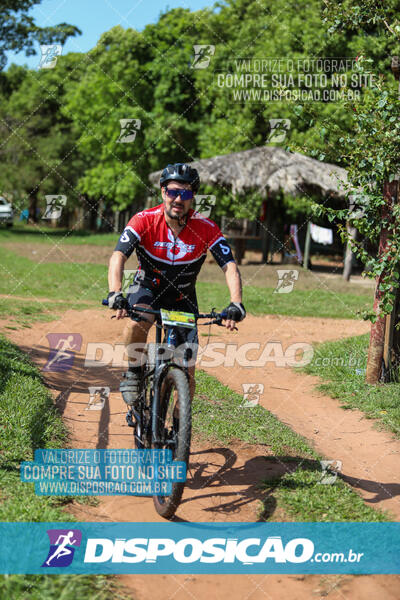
38	152
62	126
18	30
365	15
371	147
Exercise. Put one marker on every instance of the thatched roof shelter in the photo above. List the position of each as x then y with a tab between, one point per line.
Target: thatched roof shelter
269	169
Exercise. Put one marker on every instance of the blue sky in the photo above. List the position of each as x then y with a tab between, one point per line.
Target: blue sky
93	17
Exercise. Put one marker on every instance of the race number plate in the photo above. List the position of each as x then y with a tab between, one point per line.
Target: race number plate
177	318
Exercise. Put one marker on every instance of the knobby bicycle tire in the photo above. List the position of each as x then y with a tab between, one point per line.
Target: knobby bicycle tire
142	441
175	380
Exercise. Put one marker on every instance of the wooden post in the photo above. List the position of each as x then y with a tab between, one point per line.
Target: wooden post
265	225
33	206
348	258
116	221
306	258
240	244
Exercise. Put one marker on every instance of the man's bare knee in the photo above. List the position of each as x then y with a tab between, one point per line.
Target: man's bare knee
136	331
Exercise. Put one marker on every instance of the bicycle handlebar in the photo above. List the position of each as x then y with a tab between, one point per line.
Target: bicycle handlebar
218	317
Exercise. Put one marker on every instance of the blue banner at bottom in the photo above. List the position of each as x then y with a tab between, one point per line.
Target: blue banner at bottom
196	548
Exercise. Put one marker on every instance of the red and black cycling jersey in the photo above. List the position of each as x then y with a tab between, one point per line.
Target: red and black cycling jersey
171	264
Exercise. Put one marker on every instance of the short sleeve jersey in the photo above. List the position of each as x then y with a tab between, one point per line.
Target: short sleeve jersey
172	264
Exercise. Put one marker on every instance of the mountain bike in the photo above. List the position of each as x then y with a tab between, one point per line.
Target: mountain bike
162	415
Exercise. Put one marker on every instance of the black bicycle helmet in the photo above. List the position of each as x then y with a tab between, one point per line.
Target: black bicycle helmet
180	172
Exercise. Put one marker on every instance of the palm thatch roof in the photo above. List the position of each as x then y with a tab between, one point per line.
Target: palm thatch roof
269	169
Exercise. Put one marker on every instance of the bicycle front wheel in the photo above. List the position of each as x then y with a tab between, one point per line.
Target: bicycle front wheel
175	423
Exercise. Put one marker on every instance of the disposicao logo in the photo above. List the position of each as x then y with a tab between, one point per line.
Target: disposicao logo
191	550
63	543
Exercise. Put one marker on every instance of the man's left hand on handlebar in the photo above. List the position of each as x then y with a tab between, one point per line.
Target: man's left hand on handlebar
235	312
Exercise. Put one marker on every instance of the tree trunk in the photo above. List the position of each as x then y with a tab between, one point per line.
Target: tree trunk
33	205
377	337
240	245
348	259
306	257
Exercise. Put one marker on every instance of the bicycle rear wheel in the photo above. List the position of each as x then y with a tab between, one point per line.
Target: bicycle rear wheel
174	433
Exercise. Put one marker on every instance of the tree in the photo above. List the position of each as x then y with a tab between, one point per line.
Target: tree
39	152
115	157
180	112
18	30
371	150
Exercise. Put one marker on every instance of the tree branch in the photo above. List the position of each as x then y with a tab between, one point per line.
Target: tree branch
389	28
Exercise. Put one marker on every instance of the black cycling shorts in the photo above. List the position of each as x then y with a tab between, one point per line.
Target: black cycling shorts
186	336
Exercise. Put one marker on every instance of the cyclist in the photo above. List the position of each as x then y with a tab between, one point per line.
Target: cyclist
171	241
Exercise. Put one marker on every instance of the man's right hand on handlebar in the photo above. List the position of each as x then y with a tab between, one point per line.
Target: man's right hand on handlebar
116	301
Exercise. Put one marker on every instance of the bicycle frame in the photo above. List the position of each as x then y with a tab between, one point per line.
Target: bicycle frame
156	374
160	369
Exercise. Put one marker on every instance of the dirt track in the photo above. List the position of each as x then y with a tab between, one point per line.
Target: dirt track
222	485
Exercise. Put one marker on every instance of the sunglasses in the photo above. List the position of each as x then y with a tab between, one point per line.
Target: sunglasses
184	194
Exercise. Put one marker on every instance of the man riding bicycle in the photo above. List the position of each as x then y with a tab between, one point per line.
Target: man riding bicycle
171	241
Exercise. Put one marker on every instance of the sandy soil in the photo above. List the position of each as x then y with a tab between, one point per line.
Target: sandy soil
222	481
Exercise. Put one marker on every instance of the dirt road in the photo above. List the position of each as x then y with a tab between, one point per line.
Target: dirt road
222	482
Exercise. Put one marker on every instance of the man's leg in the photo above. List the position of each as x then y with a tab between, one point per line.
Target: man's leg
135	333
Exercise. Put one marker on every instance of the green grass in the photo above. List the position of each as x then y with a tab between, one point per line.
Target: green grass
299	303
65	587
29	420
337	364
88	283
219	417
22	313
48	235
20	276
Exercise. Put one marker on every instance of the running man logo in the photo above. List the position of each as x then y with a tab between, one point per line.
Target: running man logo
54	206
286	280
62	350
63	543
98	395
50	53
202	55
358	204
131	280
129	129
330	470
279	129
252	393
204	204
